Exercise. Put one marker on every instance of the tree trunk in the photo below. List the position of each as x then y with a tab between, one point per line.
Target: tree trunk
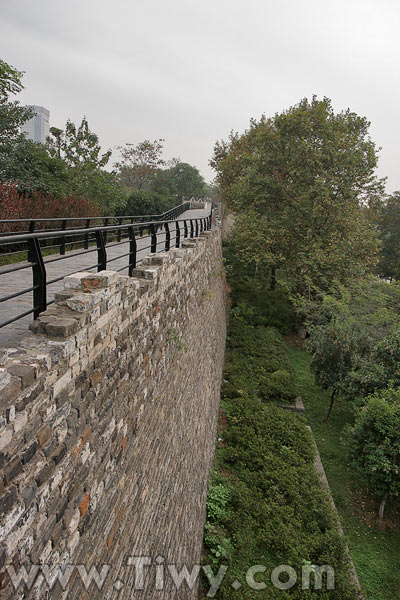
330	406
272	285
382	508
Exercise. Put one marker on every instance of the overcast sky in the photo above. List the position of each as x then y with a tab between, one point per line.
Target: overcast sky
190	71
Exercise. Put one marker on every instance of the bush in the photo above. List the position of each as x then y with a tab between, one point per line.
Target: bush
258	363
147	203
37	205
271	508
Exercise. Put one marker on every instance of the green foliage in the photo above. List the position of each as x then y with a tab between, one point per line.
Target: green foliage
258	363
29	165
265	504
79	147
140	202
186	181
389	229
376	552
374	442
353	334
297	183
139	163
275	511
12	114
252	299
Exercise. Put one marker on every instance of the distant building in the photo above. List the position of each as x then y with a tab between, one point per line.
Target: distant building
37	128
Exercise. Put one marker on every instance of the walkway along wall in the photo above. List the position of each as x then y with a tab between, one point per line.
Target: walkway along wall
108	426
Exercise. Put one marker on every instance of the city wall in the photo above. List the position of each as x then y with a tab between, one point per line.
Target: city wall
107	428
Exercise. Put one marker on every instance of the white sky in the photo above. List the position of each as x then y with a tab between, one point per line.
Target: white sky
191	71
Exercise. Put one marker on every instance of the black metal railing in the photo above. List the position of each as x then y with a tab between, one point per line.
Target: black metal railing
139	239
8	226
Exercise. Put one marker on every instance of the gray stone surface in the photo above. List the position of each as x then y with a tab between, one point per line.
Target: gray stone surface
106	445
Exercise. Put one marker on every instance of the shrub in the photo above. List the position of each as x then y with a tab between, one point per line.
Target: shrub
37	205
374	444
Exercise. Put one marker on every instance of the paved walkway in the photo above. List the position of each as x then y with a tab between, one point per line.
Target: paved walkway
13	282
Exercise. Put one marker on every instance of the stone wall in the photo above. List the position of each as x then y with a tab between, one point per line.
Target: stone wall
108	425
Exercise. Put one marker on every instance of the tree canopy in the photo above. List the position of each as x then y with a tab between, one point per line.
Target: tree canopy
296	183
352	337
139	163
389	227
374	444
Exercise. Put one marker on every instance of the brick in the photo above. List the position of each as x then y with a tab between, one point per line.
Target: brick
12	470
29	493
6	437
95	378
61	328
26	373
8	500
83	506
102	279
29	453
4	378
10	392
44	475
75	281
43	435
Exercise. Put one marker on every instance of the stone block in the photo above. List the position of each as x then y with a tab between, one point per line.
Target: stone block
60	327
75	281
4	378
26	373
102	279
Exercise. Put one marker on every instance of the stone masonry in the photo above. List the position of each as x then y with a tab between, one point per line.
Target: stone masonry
107	430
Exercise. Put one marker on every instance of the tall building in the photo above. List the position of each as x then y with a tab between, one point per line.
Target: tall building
37	128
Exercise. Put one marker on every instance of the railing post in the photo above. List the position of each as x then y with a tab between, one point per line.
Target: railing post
31	226
39	277
191	228
178	235
153	235
101	251
62	244
105	232
197	227
210	217
185	229
167	236
132	251
86	240
119	231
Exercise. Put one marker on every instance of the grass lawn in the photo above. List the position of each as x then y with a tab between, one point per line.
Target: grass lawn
376	553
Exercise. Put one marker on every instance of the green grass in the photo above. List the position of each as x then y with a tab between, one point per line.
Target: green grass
376	553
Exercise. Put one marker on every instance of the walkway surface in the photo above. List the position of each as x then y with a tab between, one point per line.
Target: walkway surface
14	282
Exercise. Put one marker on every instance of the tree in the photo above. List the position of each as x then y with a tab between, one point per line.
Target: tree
12	114
139	163
180	180
55	144
29	165
352	338
374	444
187	181
81	152
79	147
303	177
389	227
141	202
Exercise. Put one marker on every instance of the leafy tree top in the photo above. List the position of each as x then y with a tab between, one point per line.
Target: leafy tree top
139	163
304	175
12	114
